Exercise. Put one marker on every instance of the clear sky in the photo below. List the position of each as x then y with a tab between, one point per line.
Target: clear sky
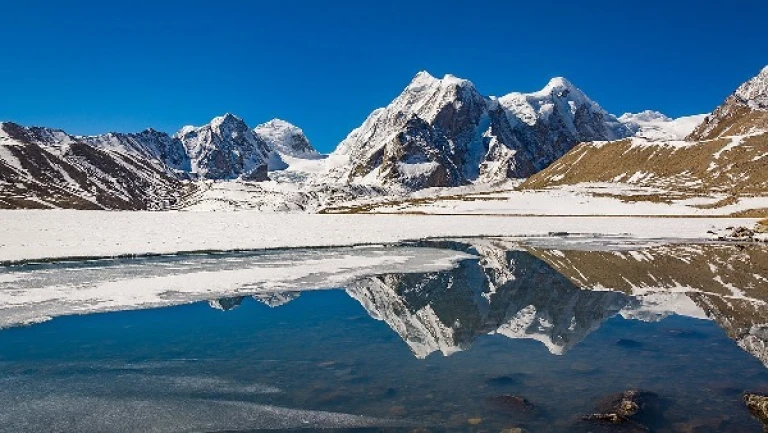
96	66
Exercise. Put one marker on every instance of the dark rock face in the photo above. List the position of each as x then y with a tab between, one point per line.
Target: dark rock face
258	174
419	157
151	145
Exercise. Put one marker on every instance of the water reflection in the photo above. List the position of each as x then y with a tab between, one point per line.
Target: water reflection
652	325
558	297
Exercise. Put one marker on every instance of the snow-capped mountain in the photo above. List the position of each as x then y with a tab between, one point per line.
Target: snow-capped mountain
548	123
743	112
655	126
443	132
421	139
227	148
44	168
151	145
436	133
725	154
286	139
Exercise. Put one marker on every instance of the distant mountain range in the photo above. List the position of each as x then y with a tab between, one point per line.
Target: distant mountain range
43	167
436	133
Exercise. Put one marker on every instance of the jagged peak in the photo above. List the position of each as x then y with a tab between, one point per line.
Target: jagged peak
227	118
424	79
454	80
561	87
278	123
184	130
755	90
558	83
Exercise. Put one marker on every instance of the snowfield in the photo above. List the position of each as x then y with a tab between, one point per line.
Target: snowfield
50	234
588	198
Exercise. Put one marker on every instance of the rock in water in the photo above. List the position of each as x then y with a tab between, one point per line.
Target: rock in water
511	403
758	407
624	408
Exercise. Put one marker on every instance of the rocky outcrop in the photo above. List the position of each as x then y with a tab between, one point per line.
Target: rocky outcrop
226	304
625	409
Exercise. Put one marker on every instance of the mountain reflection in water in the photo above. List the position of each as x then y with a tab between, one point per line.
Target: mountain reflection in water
558	297
498	335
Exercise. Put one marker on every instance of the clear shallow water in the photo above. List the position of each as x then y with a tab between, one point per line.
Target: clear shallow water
428	350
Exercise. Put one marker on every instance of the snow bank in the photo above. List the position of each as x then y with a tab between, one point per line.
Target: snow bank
35	234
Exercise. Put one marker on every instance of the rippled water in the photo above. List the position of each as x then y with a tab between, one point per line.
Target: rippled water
517	337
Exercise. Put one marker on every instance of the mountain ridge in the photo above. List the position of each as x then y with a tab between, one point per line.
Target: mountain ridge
724	155
486	139
439	132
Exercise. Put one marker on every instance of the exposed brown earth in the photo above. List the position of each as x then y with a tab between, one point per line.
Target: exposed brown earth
736	166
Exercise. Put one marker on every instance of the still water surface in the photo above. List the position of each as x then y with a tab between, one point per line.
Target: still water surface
518	337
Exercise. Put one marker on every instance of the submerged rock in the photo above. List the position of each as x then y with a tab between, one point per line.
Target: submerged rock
758	407
511	403
507	380
624	409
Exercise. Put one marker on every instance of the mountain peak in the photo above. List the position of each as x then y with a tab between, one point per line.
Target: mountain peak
645	116
560	87
745	111
755	91
226	119
286	138
422	79
279	123
449	79
558	83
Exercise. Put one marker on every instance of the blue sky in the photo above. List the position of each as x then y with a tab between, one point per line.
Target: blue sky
97	66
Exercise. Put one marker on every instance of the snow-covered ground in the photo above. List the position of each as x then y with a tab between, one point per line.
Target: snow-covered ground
41	234
606	199
655	126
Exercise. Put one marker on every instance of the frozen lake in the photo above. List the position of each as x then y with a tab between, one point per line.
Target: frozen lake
478	334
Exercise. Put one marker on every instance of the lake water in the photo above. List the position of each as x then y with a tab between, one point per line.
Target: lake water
529	336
